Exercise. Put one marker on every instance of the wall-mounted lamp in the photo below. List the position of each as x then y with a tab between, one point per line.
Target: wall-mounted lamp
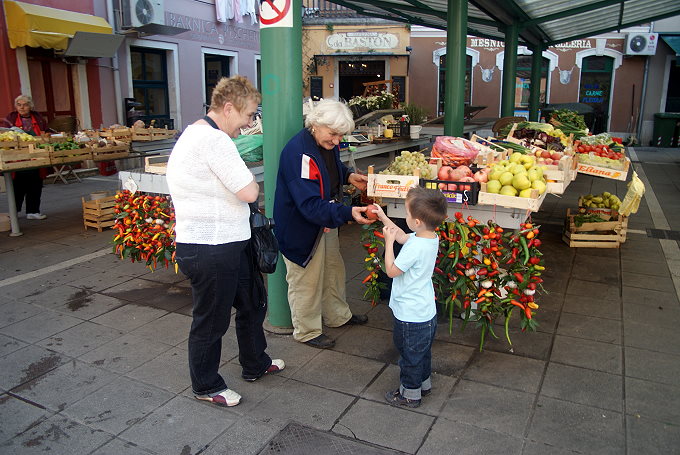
409	48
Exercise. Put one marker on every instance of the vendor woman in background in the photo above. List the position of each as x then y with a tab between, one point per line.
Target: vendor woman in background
28	183
211	187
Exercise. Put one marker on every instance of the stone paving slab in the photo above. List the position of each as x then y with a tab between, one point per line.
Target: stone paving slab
588	354
598	329
374	422
650	437
57	434
506	370
119	447
653	400
26	364
18	416
449	436
61	387
17	311
577	427
123	354
168	371
653	366
471	402
584	386
587	306
179	426
118	405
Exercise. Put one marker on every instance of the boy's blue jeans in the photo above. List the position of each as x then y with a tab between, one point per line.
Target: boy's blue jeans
414	342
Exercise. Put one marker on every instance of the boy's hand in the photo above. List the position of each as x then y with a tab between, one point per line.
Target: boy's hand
390	233
379	212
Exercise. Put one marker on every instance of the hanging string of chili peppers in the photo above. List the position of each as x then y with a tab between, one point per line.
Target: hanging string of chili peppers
372	238
145	226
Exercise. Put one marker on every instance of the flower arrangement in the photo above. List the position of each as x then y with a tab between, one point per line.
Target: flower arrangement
383	100
145	228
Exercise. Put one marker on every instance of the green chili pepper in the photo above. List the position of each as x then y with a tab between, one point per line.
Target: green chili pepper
525	249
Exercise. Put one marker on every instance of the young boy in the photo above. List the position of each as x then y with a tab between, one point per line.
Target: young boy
412	299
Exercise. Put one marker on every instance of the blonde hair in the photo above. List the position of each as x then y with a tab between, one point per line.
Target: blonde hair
236	90
332	114
28	99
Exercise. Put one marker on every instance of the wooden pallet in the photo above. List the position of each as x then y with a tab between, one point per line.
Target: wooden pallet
152	134
119	134
605	234
99	213
17	159
110	152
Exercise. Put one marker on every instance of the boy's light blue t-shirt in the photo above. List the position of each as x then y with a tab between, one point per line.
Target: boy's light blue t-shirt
412	297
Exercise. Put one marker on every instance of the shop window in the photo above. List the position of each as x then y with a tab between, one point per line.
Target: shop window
150	84
442	81
216	67
523	82
595	88
353	74
399	82
673	91
51	84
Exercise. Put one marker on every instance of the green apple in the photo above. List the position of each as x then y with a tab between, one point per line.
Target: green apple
539	185
508	190
533	174
525	193
516	157
506	178
521	182
493	186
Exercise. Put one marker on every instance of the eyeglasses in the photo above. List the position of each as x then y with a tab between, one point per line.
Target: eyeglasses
23	105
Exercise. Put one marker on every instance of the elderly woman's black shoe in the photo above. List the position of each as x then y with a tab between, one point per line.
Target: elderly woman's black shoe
321	342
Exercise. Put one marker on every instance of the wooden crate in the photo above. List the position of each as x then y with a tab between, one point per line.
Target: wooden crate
99	213
110	152
559	177
16	159
616	174
120	134
152	134
530	204
70	156
156	164
605	234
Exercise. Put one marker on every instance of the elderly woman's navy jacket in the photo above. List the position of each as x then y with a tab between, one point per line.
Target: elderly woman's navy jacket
303	206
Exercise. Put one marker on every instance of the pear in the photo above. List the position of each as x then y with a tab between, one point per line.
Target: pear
508	190
506	178
525	193
521	182
493	186
516	157
539	185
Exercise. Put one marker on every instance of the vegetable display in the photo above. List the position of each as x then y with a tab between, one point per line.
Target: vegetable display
407	163
517	176
482	272
145	226
570	122
605	200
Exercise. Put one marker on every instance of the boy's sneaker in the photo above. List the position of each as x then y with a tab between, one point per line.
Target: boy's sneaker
35	216
276	366
227	397
395	398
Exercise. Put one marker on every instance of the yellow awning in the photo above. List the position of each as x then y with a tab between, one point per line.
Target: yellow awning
50	28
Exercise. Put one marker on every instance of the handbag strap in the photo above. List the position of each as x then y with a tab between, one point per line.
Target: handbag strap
211	122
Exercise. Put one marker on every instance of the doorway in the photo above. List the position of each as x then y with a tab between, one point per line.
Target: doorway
595	89
216	67
353	74
51	84
150	84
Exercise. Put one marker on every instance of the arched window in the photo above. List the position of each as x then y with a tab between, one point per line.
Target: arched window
523	81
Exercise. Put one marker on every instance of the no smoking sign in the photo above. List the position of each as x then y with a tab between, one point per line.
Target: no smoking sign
275	13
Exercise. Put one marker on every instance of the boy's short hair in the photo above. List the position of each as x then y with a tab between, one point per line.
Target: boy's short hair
428	205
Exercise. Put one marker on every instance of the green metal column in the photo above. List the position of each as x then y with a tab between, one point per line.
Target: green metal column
456	42
535	91
509	71
281	50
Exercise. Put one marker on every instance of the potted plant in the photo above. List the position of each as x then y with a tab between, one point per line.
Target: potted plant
416	116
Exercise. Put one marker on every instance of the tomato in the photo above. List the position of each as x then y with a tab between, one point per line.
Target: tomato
581	149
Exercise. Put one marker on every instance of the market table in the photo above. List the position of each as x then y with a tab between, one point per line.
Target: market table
156	183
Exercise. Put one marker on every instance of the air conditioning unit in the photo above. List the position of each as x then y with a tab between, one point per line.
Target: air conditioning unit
641	43
137	13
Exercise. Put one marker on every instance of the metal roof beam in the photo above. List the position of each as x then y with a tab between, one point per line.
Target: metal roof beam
592	33
571	12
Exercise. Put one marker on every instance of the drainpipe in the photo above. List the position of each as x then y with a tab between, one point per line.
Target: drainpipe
638	126
115	69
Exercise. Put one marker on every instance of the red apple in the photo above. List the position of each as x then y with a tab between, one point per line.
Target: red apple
444	172
545	154
369	212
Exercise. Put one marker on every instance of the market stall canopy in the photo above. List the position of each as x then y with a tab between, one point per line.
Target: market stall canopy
51	28
544	22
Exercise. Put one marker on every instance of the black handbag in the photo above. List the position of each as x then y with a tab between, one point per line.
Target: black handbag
264	244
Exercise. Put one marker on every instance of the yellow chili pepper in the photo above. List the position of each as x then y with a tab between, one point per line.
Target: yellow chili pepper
532	305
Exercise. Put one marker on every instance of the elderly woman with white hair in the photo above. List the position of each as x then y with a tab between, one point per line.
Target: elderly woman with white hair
28	183
308	209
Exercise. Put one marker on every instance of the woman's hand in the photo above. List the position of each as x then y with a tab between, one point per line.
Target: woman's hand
358	180
358	217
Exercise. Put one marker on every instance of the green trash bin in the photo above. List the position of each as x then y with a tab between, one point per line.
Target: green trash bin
666	129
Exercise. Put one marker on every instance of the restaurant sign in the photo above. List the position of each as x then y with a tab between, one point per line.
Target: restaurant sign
354	40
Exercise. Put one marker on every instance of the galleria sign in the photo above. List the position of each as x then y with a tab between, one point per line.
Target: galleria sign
370	40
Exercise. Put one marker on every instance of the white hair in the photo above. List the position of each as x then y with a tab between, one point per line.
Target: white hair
27	98
332	114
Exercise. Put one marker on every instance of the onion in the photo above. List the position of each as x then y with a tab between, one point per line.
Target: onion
486	284
512	284
529	292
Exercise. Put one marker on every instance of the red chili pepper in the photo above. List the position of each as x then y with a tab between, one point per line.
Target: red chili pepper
438	271
537	243
378	234
494	273
527	311
534	260
481	299
482	272
460	273
368	277
531	286
517	304
537	279
518	276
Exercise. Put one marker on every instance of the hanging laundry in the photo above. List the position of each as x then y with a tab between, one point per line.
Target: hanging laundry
252	11
221	9
238	17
